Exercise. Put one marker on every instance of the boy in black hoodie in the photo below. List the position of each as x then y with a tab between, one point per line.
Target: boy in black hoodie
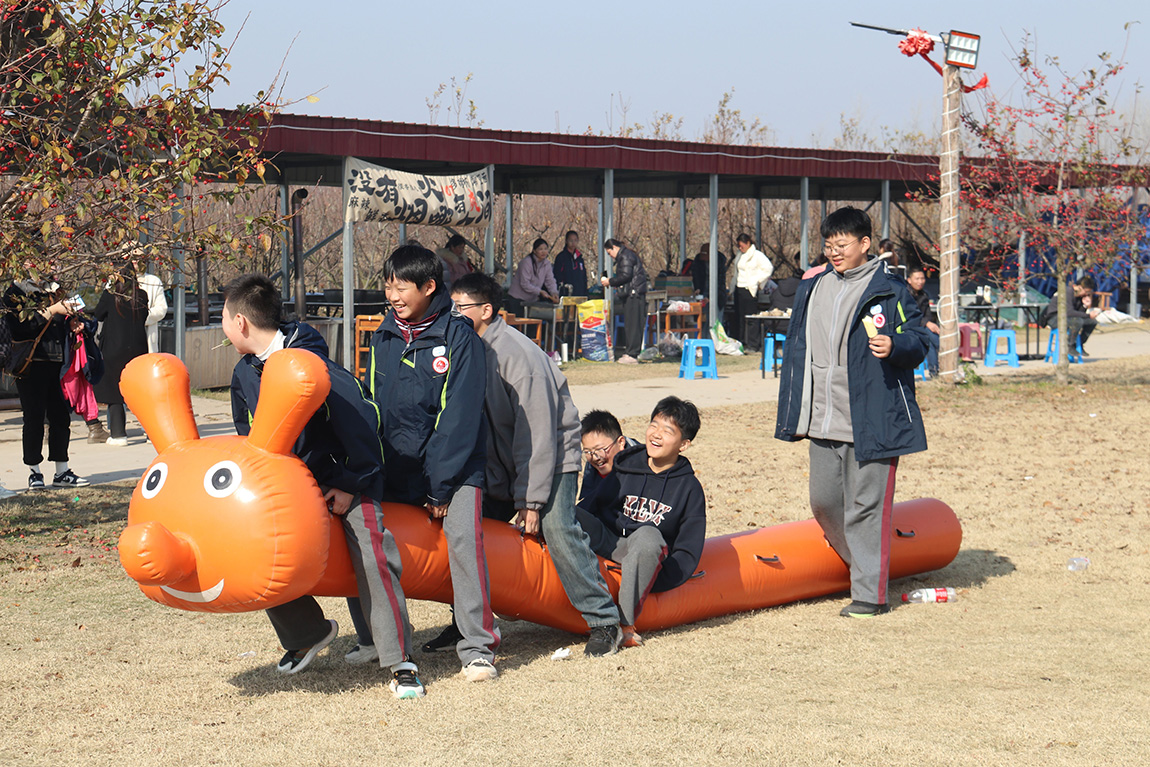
650	515
341	447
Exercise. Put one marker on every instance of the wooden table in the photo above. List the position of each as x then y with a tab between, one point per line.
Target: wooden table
690	321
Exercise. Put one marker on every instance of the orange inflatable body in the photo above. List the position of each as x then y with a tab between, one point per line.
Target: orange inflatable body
228	524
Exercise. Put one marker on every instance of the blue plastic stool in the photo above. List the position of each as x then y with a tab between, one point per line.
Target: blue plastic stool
773	344
1010	357
1052	350
707	366
921	371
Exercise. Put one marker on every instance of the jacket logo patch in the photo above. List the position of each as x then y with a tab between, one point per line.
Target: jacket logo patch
875	309
879	320
439	351
440	365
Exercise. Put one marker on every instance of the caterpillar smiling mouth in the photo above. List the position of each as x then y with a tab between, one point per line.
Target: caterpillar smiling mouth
196	596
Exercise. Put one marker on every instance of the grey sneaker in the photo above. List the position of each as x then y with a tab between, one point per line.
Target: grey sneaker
295	661
68	479
405	683
35	481
480	670
604	640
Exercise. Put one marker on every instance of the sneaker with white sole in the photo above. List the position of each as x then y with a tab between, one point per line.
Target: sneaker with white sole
627	359
117	441
35	481
361	653
69	479
604	640
447	639
480	670
295	661
405	683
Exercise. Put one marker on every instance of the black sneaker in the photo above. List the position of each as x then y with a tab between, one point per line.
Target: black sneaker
295	661
859	609
447	639
604	640
69	479
35	481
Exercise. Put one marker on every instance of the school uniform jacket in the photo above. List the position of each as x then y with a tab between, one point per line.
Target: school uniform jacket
884	414
632	496
430	395
340	443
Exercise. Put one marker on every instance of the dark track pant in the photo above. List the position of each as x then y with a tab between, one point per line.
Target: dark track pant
634	324
41	397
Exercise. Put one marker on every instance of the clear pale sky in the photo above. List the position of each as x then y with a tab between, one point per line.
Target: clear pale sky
554	66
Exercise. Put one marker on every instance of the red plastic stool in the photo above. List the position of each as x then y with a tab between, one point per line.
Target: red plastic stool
966	331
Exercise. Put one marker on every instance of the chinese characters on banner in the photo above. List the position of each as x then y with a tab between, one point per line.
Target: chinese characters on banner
375	193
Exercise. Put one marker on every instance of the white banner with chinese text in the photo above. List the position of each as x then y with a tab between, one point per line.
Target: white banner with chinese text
375	193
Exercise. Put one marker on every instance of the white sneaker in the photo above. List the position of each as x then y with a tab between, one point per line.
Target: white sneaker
480	670
117	441
405	683
627	359
362	653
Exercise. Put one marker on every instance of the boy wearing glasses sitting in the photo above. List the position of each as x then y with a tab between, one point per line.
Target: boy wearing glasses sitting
847	385
602	440
533	455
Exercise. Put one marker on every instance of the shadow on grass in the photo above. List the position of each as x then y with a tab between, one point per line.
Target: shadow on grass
48	511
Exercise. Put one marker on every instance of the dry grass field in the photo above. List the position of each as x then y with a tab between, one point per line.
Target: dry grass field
1033	665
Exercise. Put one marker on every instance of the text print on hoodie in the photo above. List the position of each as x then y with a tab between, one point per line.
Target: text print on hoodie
633	495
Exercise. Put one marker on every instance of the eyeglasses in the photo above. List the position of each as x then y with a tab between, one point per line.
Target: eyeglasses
468	306
595	453
832	249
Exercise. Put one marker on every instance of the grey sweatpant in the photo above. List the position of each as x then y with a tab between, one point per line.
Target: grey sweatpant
640	555
463	529
375	559
852	501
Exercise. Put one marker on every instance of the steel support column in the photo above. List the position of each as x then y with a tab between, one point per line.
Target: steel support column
285	246
758	220
713	260
682	231
804	223
347	344
886	209
178	293
608	221
509	214
489	233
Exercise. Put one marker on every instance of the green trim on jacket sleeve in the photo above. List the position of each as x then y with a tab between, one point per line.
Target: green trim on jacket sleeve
901	316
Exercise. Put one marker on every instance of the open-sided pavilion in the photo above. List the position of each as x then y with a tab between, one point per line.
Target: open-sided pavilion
313	150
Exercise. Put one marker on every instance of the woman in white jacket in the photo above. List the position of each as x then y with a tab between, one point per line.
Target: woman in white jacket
752	270
157	307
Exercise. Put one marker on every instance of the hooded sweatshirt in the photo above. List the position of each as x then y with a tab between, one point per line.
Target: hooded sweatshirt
633	495
340	443
533	426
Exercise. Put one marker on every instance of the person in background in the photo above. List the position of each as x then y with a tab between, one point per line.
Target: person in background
752	270
570	268
701	275
455	264
157	306
1081	314
35	312
916	281
630	282
123	308
534	280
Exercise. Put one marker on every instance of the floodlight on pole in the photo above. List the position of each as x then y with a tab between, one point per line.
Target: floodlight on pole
962	49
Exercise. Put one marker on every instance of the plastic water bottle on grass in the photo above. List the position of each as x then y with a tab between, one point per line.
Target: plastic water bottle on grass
919	596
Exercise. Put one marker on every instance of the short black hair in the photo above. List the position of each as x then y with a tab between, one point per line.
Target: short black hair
539	241
1086	282
846	220
415	264
682	412
569	233
257	298
601	422
744	237
456	240
915	270
481	287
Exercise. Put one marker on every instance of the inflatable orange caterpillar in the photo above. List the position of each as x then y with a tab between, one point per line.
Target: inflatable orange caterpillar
233	524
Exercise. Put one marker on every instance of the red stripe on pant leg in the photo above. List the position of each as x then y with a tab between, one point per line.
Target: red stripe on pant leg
481	567
887	515
376	532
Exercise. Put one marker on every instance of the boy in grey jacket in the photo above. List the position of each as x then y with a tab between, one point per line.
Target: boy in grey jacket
533	447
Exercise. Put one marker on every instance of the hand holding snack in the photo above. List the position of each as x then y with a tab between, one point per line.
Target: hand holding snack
871	329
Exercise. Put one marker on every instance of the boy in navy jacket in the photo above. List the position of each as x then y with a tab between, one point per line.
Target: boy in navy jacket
428	376
847	385
340	445
650	514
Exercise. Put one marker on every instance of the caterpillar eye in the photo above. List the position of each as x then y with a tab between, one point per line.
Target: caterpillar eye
222	479
154	480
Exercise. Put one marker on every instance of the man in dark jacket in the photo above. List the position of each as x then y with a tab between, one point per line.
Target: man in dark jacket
650	514
340	445
1081	314
847	385
428	375
916	281
630	283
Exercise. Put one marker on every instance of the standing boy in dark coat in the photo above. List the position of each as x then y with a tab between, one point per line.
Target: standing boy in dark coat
340	445
847	384
428	375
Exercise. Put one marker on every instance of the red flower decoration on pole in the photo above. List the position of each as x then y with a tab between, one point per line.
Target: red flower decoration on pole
919	43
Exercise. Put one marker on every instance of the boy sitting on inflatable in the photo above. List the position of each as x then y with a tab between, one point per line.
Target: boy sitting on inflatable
602	439
650	515
341	447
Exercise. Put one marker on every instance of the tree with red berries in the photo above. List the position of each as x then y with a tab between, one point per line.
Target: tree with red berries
1058	168
109	143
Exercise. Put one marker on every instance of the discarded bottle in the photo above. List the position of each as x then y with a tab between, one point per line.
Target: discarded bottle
1077	564
919	596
